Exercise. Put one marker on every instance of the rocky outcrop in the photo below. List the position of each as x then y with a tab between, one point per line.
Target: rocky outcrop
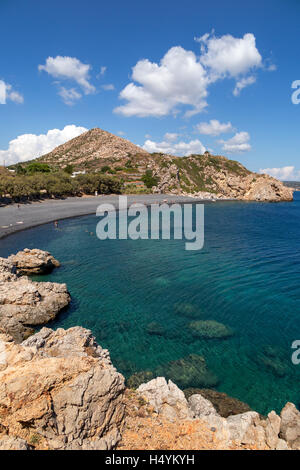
215	177
33	262
224	404
59	390
245	430
290	425
166	398
24	303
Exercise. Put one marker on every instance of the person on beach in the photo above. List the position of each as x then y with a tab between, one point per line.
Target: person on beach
55	224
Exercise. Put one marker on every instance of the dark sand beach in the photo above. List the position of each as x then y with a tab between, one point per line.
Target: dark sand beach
14	217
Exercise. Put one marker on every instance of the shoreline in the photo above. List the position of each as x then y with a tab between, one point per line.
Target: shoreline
15	219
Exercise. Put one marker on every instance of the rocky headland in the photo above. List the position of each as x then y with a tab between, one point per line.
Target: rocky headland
207	176
59	389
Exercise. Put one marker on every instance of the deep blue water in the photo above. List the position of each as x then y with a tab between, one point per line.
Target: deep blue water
246	277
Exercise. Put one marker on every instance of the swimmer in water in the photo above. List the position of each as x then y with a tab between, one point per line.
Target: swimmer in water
55	224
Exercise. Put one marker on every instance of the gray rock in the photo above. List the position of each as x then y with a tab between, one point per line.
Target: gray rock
63	389
282	445
201	407
166	398
24	303
290	426
33	262
13	443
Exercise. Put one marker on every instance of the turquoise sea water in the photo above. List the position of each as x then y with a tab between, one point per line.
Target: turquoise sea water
246	277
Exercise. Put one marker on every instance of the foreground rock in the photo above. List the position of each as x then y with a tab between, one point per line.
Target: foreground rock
59	390
166	398
246	430
34	262
24	303
223	403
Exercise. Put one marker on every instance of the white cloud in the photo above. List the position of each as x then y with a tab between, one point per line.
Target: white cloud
70	95
108	87
214	127
240	84
178	148
28	146
102	70
182	79
286	173
230	55
69	68
7	93
237	144
171	136
179	79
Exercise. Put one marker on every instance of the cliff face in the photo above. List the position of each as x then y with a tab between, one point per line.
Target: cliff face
24	303
59	390
205	175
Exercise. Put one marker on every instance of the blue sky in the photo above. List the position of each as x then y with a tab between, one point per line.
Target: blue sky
168	75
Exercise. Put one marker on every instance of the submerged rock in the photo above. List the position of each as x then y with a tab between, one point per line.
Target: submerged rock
187	310
155	329
139	378
34	262
210	329
59	390
190	371
224	404
272	360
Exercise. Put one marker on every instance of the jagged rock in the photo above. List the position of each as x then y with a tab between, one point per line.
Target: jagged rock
210	329
265	188
166	398
290	426
249	429
24	303
7	270
246	429
282	445
59	390
13	443
272	429
224	404
201	407
33	262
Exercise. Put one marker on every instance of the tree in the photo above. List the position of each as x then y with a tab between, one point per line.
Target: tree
149	180
37	167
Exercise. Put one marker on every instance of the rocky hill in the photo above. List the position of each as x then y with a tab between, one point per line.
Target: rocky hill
91	149
206	176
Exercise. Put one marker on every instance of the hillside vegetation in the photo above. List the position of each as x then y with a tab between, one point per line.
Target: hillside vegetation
120	165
